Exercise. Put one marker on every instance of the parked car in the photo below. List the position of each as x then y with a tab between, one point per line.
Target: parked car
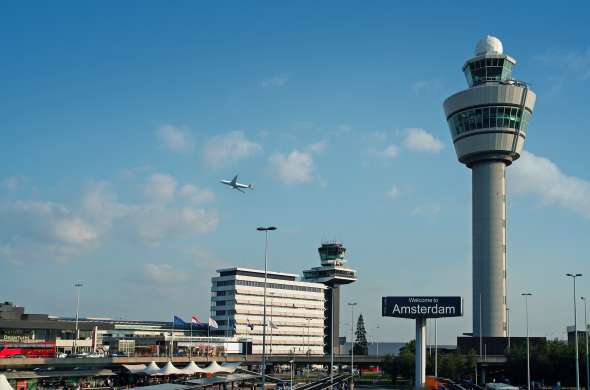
62	355
96	355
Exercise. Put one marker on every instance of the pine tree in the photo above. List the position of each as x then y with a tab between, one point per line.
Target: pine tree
360	344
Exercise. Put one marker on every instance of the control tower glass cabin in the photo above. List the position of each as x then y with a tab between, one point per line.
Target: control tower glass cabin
488	123
333	273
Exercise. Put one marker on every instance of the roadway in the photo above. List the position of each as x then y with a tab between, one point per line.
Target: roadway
113	362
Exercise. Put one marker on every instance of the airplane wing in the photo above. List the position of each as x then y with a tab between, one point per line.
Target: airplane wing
239	189
234	180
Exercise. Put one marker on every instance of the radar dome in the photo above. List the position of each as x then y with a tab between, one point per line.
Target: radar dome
488	45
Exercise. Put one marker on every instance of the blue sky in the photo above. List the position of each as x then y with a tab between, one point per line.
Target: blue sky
118	120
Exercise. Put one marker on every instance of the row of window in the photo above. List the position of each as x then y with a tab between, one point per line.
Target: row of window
489	117
253	283
489	69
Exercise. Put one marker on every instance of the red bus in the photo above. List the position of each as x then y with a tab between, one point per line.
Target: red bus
32	349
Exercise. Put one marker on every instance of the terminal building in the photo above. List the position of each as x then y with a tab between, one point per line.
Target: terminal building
294	311
42	335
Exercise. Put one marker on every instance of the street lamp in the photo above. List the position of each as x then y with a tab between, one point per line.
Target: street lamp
352	305
265	230
528	351
377	337
574	276
586	332
77	286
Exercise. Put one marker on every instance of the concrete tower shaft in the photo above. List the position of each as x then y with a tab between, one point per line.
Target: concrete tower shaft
488	124
489	248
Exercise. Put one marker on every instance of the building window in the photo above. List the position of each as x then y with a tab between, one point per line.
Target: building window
489	117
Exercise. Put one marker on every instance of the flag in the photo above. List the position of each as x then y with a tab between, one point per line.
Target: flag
178	321
272	325
194	320
213	323
250	325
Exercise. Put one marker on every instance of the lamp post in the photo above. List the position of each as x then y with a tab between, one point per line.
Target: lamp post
508	326
574	276
352	305
263	368
77	286
435	351
377	337
528	351
586	332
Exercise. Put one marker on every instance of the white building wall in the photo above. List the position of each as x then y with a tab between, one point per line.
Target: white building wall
297	314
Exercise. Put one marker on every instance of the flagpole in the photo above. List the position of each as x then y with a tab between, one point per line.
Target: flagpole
190	353
172	340
208	339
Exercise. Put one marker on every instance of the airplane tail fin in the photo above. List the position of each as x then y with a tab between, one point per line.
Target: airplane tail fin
251	186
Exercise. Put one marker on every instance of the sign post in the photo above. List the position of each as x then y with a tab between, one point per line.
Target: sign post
420	308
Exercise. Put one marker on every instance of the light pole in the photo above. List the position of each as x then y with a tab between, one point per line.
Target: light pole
377	337
508	326
586	332
574	276
77	286
352	305
263	368
435	351
528	351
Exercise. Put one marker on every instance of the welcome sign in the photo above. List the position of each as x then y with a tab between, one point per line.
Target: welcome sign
422	307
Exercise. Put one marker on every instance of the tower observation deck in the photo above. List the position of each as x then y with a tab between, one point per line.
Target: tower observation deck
488	124
333	273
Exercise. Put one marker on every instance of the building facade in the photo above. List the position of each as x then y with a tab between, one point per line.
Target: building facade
294	311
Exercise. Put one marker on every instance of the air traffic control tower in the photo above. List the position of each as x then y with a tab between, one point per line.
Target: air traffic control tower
333	273
488	123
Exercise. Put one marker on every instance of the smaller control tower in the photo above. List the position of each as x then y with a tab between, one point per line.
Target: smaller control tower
332	273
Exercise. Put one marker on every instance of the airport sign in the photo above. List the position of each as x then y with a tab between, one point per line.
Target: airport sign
422	307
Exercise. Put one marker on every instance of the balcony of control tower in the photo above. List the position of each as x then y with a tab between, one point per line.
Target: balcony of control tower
332	271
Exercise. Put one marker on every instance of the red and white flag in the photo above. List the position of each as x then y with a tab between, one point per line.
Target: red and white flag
194	320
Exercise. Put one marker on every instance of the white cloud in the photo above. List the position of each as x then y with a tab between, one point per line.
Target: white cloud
229	148
175	138
429	210
275	81
164	274
422	141
295	168
160	187
390	152
38	231
393	192
318	147
196	195
541	177
47	231
572	62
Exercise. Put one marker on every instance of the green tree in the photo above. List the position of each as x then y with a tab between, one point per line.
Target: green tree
360	344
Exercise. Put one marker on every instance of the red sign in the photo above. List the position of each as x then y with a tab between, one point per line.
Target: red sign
40	349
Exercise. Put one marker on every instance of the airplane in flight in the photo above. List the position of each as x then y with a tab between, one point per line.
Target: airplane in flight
233	183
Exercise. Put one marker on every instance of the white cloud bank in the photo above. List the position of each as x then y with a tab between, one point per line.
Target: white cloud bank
541	177
164	274
174	138
294	168
48	231
228	148
420	140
